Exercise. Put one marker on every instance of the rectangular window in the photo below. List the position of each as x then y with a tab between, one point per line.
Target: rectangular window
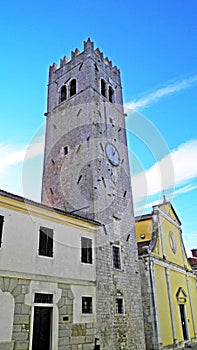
86	305
41	298
116	257
119	306
86	250
1	228
46	241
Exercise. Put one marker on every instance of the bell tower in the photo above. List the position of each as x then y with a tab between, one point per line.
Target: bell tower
86	171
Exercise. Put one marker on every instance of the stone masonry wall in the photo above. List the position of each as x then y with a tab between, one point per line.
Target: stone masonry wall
78	336
119	332
148	304
21	326
70	336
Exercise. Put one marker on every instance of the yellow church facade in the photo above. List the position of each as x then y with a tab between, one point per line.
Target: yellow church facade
169	288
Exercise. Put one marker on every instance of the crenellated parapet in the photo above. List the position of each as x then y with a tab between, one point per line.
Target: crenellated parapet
53	68
63	61
77	57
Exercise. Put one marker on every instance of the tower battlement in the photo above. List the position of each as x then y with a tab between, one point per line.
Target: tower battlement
77	56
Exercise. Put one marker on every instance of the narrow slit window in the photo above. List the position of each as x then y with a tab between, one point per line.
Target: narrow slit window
65	150
63	93
72	87
103	87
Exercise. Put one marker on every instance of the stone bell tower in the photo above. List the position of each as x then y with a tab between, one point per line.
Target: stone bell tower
86	171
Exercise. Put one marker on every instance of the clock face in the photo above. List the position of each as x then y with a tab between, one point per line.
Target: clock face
112	154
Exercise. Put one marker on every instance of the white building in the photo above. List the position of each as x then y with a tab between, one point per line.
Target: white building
47	283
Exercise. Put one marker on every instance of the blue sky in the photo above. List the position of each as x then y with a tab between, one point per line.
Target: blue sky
154	45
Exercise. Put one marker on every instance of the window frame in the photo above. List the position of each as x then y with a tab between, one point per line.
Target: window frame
85	298
122	306
86	250
46	240
116	266
43	298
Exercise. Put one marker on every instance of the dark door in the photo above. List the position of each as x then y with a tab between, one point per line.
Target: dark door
183	321
42	328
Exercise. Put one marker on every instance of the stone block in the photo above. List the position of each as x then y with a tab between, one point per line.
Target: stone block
1	284
88	346
64	293
21	319
90	331
21	345
25	310
12	285
70	294
6	346
25	289
20	336
89	339
75	347
17	309
63	310
65	333
69	310
61	302
68	301
63	341
20	298
77	340
23	282
16	328
6	283
16	291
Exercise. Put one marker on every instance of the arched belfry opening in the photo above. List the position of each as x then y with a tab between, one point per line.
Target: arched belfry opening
111	94
73	85
103	87
63	93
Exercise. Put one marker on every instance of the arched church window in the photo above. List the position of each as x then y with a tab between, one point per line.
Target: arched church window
111	94
63	93
72	87
103	87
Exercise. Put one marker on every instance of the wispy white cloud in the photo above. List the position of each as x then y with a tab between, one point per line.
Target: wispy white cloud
177	169
139	209
11	155
185	189
156	95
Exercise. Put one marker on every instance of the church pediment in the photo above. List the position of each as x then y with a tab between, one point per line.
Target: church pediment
168	209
